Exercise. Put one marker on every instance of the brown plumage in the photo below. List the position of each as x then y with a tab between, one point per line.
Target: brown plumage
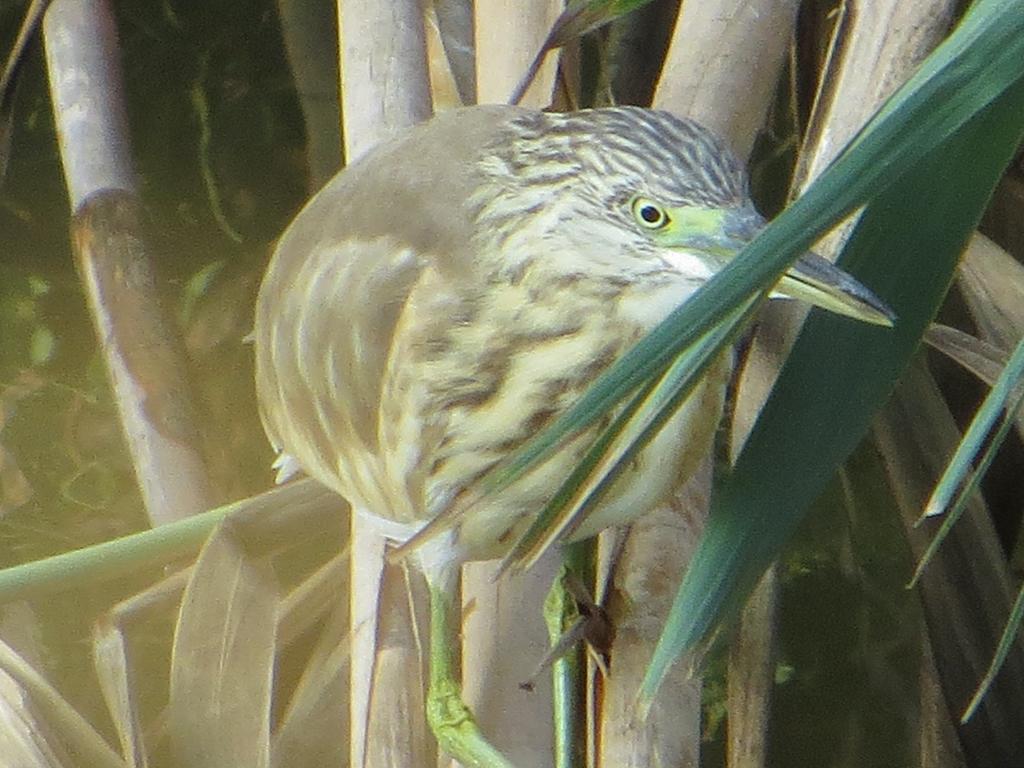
416	326
446	296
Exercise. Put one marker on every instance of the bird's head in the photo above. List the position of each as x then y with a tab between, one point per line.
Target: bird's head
642	193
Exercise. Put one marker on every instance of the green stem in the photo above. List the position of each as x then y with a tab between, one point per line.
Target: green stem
109	560
568	671
450	719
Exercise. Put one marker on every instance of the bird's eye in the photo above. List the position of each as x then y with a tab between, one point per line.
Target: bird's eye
649	214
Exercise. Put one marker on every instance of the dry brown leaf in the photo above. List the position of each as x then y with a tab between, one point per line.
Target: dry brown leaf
966	590
23	740
223	660
110	650
979	357
120	677
992	282
38	727
314	730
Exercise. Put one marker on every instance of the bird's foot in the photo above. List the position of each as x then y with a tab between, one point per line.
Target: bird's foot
456	730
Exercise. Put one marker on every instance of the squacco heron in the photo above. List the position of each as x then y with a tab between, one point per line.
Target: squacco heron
450	293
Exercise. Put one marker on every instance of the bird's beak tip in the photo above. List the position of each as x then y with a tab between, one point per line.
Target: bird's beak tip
819	282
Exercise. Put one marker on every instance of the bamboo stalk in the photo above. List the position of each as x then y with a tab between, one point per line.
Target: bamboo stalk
384	88
644	583
384	82
508	35
142	350
724	64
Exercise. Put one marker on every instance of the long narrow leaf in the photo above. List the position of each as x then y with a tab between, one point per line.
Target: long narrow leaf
968	488
994	404
1002	651
1003	402
301	500
221	678
906	245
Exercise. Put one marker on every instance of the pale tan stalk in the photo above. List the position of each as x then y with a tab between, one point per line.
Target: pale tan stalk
384	81
385	87
508	35
724	62
503	629
137	335
645	580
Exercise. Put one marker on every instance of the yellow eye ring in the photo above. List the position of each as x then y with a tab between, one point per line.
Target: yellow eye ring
649	214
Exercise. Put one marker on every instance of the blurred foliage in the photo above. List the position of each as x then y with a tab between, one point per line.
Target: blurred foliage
849	631
216	131
65	477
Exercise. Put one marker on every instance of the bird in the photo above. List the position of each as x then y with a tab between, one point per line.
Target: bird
451	292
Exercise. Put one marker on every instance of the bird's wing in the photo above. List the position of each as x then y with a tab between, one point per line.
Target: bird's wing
324	332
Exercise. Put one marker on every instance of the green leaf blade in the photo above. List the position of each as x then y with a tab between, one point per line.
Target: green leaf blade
906	246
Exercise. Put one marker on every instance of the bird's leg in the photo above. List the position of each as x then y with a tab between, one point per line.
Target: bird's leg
451	721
